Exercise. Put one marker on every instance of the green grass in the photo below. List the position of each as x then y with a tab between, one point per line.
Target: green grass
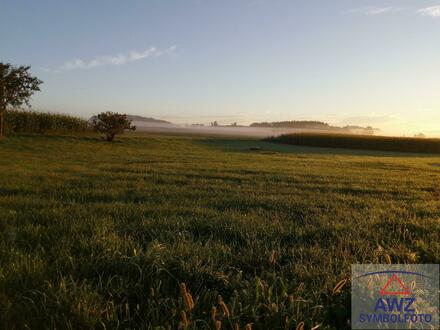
362	142
100	235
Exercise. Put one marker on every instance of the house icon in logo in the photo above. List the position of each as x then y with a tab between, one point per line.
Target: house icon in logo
394	281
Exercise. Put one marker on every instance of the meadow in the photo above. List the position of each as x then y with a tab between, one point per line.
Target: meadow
102	235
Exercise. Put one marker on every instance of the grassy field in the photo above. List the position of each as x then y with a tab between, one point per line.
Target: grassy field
100	235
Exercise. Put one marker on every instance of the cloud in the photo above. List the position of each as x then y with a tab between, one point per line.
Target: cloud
119	59
372	11
433	11
380	11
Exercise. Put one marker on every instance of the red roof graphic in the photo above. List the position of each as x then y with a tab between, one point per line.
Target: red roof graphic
394	278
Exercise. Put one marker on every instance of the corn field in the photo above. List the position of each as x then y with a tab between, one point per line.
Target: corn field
364	142
42	122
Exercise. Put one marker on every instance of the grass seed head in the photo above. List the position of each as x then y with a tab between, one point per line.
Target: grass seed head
412	257
184	319
388	258
213	313
182	288
189	301
300	326
187	297
338	288
273	257
225	309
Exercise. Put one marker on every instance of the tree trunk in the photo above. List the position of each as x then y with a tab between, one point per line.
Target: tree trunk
110	137
2	109
1	122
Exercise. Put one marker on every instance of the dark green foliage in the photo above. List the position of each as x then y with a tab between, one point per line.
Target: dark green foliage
16	88
16	85
42	122
381	143
316	125
90	239
111	123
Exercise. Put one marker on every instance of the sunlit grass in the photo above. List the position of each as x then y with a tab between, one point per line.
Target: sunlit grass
95	234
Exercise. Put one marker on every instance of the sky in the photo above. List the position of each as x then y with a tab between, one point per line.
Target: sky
371	63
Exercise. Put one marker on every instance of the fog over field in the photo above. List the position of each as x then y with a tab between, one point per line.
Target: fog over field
245	131
227	131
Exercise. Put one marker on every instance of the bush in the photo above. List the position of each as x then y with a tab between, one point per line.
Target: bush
111	123
42	122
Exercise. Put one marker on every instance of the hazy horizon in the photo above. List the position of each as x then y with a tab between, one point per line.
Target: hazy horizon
368	63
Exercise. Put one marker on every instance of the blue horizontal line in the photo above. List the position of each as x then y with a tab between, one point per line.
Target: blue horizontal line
392	272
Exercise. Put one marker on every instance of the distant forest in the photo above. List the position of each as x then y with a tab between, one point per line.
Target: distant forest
294	124
310	124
